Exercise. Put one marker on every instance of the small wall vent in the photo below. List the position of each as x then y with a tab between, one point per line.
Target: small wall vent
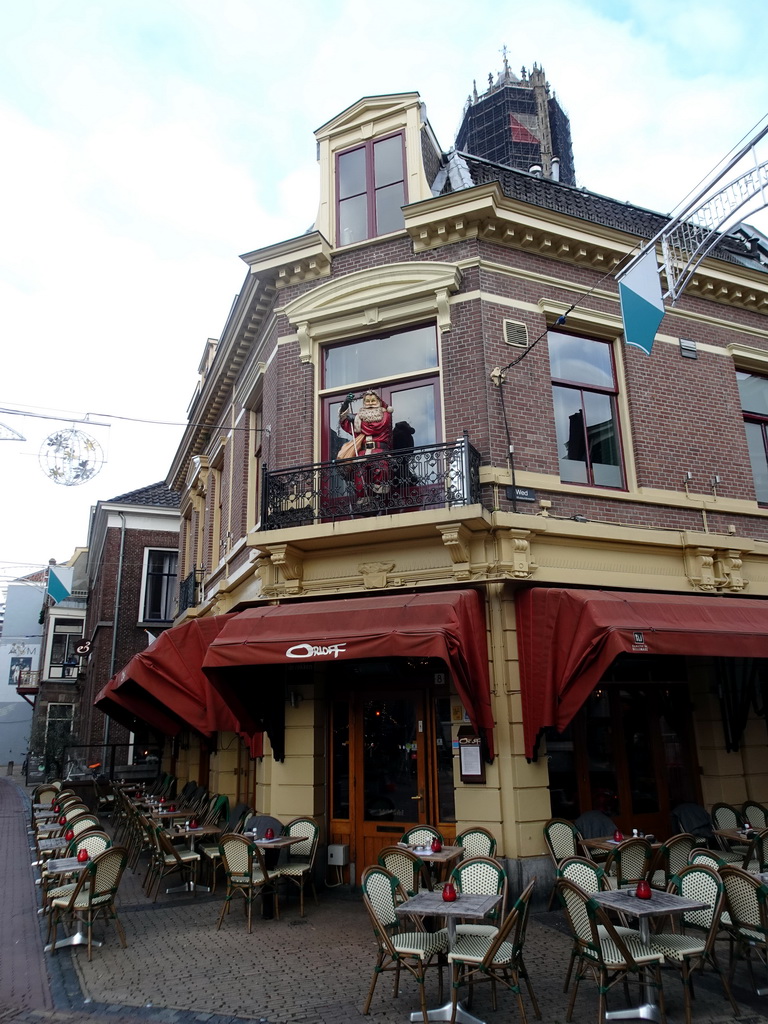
515	334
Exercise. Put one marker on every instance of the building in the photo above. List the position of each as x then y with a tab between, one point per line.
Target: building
551	597
20	639
133	542
58	699
516	123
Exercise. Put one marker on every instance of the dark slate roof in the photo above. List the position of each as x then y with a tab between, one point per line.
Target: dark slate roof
153	494
589	206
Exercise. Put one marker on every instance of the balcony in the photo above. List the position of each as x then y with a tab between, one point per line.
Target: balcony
428	477
27	683
189	590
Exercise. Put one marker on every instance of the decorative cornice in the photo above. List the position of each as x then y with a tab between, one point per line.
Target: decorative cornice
305	258
388	296
484	212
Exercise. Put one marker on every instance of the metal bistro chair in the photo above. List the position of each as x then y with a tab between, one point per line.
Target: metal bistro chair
169	859
92	894
481	876
563	840
760	853
590	877
725	816
409	870
421	835
711	858
670	859
687	952
299	867
746	898
756	814
497	957
585	873
476	842
94	842
235	822
246	873
601	952
412	949
628	863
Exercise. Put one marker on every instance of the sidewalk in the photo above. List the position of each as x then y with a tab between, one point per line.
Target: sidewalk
312	970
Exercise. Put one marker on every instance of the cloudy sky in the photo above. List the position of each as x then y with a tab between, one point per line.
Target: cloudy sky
148	143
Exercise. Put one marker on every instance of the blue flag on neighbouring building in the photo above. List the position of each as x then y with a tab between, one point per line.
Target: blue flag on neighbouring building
642	307
60	582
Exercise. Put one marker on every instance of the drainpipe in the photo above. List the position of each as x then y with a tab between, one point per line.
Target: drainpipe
115	620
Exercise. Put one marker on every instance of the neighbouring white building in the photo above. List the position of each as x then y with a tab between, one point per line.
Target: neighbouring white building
20	646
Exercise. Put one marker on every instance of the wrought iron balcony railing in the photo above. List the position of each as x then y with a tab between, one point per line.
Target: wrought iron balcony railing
431	476
189	590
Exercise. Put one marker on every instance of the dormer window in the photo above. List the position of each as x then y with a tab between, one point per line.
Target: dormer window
371	189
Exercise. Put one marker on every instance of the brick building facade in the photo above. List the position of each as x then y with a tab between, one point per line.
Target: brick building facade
549	460
132	592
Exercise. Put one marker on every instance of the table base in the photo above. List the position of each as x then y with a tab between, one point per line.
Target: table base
443	1013
78	939
189	887
648	1011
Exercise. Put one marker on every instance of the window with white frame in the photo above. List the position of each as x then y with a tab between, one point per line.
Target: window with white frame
371	189
65	661
584	394
159	597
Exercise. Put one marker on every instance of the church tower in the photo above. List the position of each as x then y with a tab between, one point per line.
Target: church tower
518	124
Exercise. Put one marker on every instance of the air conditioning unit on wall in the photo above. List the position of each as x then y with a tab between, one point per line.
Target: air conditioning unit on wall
515	334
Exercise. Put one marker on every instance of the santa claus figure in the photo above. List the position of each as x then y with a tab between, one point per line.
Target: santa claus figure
371	429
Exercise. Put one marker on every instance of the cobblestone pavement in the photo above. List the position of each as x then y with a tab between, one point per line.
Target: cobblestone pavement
312	970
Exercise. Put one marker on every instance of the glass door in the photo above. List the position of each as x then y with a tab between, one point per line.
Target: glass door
392	775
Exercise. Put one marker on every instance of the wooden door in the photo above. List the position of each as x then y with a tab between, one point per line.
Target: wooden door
390	770
391	762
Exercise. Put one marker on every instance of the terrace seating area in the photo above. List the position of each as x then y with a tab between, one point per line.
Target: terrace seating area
341	944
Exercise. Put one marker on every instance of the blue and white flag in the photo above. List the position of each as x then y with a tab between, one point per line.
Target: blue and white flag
642	307
60	582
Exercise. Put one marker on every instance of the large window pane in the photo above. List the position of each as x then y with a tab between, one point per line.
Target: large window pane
390	760
601	763
571	435
602	437
376	358
580	360
446	808
757	455
353	220
340	756
389	215
351	173
416	407
638	744
388	161
753	392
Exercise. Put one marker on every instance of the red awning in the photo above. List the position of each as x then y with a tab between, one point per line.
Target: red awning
169	670
132	706
449	625
567	639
